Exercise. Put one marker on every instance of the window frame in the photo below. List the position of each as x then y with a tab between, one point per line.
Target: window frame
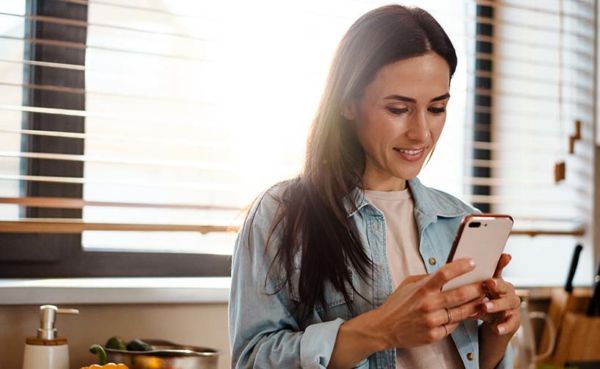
483	121
43	255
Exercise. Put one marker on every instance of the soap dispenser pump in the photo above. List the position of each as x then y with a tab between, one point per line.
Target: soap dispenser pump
46	350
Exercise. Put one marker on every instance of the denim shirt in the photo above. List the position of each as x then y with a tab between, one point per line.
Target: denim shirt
264	331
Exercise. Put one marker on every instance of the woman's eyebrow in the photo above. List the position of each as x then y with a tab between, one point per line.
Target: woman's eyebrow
411	100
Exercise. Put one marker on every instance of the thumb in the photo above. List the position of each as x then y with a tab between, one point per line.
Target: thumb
502	263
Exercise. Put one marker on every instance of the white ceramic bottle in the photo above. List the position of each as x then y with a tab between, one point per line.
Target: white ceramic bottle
46	350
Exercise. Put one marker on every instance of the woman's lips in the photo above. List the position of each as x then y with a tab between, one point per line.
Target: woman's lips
410	154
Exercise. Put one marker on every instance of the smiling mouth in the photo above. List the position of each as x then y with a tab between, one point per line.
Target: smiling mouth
410	152
411	155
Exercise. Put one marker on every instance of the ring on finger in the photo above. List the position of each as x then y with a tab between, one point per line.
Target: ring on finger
445	328
449	316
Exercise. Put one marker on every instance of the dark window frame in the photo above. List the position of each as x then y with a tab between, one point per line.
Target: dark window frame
482	131
27	255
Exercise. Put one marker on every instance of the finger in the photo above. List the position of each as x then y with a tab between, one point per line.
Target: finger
486	317
502	263
497	286
508	302
462	295
414	278
442	331
414	281
418	281
466	311
481	316
449	272
451	327
510	324
436	318
450	316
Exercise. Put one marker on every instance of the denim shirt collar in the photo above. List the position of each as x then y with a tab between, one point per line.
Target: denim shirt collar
429	203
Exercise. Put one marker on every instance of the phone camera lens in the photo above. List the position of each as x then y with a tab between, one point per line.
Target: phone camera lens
474	224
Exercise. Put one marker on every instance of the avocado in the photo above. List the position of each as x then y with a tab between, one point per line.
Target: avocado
138	345
116	343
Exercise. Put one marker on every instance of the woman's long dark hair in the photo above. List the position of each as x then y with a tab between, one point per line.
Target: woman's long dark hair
313	218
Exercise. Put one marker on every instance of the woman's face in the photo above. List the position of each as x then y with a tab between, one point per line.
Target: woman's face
399	119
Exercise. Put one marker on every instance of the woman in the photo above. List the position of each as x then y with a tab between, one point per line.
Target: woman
343	266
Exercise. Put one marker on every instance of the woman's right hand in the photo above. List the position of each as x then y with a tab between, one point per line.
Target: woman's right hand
418	312
414	314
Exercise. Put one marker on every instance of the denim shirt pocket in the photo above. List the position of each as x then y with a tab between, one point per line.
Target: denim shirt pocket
335	305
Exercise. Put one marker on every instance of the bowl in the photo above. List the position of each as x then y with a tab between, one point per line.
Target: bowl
166	355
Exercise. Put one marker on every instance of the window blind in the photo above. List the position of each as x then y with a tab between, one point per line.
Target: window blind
191	109
539	58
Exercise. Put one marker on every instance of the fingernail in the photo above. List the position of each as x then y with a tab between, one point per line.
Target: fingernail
472	262
501	329
489	306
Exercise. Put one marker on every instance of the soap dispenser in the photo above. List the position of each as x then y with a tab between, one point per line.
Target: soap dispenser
46	350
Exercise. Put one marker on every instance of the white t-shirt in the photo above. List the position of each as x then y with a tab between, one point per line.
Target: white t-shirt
404	259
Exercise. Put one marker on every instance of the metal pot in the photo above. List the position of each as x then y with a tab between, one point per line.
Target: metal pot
166	355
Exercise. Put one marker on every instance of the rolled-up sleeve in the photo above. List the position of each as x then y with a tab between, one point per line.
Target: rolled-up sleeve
317	344
263	333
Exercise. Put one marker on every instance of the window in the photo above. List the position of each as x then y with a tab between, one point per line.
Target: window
140	130
185	112
11	74
534	86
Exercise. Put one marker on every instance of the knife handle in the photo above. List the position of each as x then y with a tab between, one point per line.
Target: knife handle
594	303
573	268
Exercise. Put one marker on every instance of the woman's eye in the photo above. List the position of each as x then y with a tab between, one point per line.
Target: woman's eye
437	110
397	111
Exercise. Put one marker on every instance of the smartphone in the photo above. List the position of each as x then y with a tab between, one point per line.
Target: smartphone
481	237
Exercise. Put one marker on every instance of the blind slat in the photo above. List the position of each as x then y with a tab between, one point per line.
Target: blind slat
70	226
211	166
73	203
45	64
82	46
75	226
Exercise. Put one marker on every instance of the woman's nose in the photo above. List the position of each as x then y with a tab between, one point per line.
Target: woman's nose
418	129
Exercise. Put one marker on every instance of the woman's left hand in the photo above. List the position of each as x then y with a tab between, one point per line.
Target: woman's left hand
500	309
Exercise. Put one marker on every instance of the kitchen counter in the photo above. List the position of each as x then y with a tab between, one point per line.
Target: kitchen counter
114	290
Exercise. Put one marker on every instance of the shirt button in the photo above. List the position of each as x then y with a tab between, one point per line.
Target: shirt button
432	261
470	356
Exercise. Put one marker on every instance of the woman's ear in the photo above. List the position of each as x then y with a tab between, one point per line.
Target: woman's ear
349	111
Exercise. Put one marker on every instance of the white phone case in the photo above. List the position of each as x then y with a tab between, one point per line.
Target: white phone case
484	244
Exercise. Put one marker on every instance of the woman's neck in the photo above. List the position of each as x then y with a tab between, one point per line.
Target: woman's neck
376	180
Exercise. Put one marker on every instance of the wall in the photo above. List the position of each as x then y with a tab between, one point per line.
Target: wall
193	324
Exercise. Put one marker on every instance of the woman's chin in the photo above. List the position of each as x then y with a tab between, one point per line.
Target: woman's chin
407	173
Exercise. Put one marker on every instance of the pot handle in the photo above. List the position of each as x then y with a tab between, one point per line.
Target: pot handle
551	332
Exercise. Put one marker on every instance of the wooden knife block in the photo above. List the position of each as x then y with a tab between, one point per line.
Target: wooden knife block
579	339
578	336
